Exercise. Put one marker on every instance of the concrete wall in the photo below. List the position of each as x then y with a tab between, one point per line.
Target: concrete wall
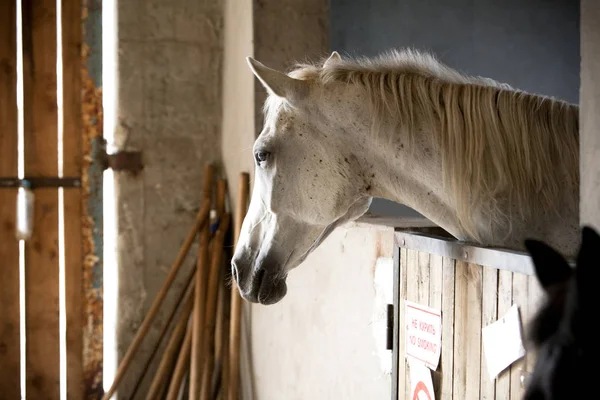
590	113
169	72
238	92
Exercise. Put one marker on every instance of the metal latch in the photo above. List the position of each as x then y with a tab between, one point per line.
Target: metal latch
122	160
41	182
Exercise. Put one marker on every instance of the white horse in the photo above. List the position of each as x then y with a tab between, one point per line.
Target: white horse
489	164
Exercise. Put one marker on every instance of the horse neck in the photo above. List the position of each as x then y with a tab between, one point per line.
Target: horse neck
397	166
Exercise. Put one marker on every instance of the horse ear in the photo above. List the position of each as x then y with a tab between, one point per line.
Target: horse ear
550	266
278	83
333	58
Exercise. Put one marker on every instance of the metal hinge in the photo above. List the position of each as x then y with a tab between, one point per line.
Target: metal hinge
390	327
129	161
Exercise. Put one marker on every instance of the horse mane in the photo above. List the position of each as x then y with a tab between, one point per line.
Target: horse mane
496	142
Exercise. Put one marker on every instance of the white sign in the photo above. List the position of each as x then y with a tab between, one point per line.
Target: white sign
502	343
423	334
421	386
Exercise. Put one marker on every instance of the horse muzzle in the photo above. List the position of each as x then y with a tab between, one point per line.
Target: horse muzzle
259	282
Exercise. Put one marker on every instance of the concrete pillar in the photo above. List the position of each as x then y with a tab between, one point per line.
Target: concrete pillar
169	107
590	113
286	32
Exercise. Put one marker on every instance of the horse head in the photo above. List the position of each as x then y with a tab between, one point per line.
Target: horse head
304	185
565	342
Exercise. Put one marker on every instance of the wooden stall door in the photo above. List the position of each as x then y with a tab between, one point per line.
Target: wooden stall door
54	243
470	297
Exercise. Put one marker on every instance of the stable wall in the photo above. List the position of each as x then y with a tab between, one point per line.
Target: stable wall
169	108
590	113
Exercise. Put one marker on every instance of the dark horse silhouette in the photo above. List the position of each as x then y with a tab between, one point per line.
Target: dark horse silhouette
562	333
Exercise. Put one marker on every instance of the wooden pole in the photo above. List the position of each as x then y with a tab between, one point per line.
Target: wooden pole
183	297
200	296
182	365
170	352
236	300
201	221
211	301
222	321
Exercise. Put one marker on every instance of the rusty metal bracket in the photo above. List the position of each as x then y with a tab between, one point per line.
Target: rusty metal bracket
130	161
41	182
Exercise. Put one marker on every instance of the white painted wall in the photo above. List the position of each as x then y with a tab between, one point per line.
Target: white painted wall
318	342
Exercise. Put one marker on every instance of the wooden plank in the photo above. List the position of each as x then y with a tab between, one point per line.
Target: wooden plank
402	325
74	297
461	340
489	314
412	294
423	278
535	297
436	275
41	159
447	356
474	301
72	160
517	369
504	304
9	247
396	329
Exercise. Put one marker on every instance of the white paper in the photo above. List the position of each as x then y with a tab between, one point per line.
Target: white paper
423	334
502	342
421	385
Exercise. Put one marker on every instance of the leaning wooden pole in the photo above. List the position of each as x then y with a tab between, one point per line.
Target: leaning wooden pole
200	294
219	375
185	296
170	354
201	222
236	300
182	365
211	303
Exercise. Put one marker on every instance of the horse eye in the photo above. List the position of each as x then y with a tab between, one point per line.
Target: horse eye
261	156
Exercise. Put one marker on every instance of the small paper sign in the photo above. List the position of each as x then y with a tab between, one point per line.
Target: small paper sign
421	385
423	334
502	343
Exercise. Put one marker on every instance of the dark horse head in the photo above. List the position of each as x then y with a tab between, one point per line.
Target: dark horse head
562	333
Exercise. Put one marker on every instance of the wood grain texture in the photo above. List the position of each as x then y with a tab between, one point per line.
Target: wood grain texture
211	305
535	298
412	294
72	160
41	159
461	339
423	278
520	297
436	276
402	367
236	300
504	303
447	356
489	314
9	247
474	301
